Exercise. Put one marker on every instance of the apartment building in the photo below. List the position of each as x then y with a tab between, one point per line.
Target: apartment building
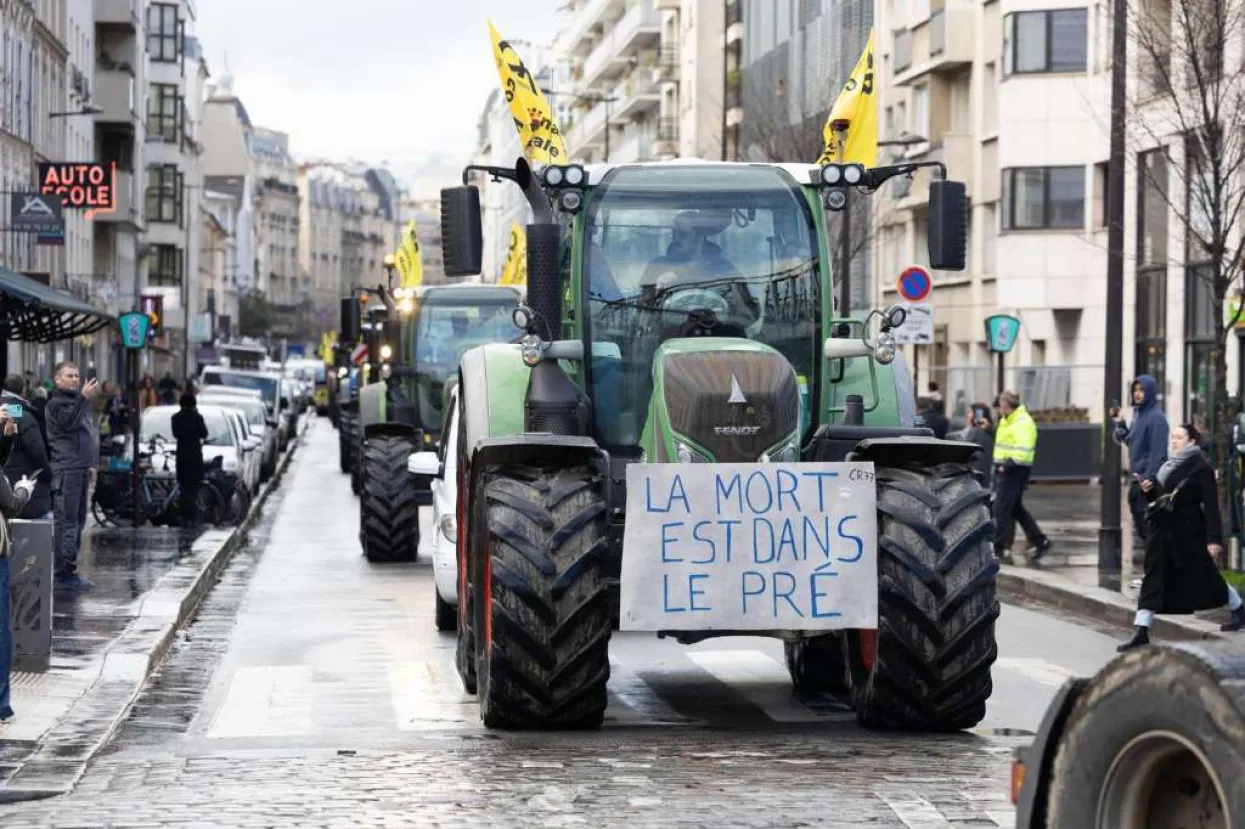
81	279
698	56
275	175
610	49
1015	100
227	170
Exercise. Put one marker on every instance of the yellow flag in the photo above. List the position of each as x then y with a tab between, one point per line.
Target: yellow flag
514	272
533	118
409	260
858	105
327	341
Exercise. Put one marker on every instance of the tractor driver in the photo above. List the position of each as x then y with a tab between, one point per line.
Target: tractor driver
692	260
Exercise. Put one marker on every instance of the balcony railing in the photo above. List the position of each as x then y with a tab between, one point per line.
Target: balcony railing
903	50
668	57
937	32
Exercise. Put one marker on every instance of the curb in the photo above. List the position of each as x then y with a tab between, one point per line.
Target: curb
1096	603
64	752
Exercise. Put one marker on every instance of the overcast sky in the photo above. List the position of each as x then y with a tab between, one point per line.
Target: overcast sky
397	81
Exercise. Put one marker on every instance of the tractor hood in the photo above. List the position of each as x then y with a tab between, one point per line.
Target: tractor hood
724	400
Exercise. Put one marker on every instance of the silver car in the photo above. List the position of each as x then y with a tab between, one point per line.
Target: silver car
256	414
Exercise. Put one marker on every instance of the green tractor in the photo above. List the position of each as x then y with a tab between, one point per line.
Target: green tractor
682	314
420	341
362	321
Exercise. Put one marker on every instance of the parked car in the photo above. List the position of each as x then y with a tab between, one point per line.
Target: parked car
257	421
442	543
268	383
222	441
252	446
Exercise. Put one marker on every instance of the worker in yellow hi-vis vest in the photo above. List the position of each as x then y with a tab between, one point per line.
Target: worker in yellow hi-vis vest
1015	445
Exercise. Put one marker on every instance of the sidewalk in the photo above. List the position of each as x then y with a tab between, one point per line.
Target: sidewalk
106	642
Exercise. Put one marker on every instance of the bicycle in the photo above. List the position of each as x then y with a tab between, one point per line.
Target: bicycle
159	498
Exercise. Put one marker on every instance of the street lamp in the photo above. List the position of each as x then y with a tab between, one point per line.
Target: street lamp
592	99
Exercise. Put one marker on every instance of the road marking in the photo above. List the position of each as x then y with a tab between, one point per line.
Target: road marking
642	699
428	696
1005	820
915	812
1038	670
267	701
759	678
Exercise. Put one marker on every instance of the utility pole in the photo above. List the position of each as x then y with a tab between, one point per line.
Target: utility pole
1109	534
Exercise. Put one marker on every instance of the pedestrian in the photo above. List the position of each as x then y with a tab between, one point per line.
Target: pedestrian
1015	448
74	454
981	432
935	396
1146	440
27	455
190	431
934	419
167	388
13	500
1184	541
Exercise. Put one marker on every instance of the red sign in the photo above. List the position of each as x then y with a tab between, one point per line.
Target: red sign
90	185
359	355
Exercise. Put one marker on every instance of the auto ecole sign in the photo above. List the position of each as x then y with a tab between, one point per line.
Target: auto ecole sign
89	186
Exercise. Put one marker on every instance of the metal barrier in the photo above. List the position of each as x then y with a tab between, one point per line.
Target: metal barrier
31	571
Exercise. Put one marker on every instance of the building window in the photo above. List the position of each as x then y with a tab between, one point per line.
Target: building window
165	269
1201	350
1040	198
1045	41
164	33
164	112
1152	207
164	193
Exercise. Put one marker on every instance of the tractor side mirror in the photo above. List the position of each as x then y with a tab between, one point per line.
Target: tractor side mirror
350	320
948	225
462	232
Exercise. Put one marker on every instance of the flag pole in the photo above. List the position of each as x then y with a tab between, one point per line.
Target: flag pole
844	265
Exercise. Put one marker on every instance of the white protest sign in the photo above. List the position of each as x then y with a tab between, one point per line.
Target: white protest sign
750	546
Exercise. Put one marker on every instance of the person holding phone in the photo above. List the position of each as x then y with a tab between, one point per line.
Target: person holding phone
1146	441
23	451
74	455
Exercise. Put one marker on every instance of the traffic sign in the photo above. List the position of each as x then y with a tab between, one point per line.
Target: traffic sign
134	327
359	354
914	284
918	326
1001	333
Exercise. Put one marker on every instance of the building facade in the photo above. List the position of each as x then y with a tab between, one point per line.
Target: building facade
692	73
609	51
276	219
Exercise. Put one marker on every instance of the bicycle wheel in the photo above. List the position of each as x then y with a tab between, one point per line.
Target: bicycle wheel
208	502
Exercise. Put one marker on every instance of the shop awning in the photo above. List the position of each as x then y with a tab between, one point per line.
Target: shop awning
33	312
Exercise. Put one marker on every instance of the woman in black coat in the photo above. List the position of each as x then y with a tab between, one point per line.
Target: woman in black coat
1185	538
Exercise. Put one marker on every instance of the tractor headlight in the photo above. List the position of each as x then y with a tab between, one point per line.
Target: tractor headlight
342	372
448	528
885	349
690	454
788	452
406	306
529	348
386	371
386	353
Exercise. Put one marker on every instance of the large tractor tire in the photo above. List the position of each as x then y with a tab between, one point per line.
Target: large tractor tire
388	514
343	444
544	605
1156	740
817	665
927	667
447	614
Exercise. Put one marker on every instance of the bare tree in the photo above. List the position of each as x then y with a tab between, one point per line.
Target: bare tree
1191	104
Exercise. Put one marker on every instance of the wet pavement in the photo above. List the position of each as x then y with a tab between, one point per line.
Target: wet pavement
313	689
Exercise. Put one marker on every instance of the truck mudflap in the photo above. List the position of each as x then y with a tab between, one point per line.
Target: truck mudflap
1032	764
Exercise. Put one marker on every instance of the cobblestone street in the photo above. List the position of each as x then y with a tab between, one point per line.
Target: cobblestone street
314	690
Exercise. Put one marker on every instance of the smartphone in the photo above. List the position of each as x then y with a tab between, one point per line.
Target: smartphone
13	411
91	373
979	413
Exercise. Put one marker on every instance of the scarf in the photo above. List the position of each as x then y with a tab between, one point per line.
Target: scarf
1175	461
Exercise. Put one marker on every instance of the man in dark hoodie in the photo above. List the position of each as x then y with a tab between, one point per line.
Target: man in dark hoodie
74	452
1146	439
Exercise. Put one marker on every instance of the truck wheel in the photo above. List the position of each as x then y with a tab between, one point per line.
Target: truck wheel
817	664
388	514
545	609
447	614
1155	740
927	667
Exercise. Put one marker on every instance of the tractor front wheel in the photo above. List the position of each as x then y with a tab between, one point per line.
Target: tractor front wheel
388	514
928	665
544	605
343	445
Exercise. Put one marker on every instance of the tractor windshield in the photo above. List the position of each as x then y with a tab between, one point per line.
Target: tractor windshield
694	250
442	333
